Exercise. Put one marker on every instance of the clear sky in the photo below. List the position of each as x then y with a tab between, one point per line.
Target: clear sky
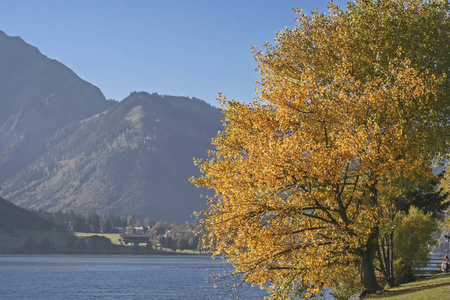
194	48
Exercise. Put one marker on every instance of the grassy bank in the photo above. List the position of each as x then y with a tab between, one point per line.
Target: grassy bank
14	242
435	287
114	237
57	242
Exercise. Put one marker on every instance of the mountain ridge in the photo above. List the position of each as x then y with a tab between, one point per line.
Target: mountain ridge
63	146
38	96
132	153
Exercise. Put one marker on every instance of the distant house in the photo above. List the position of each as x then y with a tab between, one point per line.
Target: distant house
135	238
97	241
139	229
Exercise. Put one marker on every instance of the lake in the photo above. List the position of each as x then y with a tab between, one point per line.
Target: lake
82	277
113	277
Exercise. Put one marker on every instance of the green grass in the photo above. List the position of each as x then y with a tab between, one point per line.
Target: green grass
435	287
114	237
14	243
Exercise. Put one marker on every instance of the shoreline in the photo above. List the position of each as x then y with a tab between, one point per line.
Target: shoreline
35	242
124	250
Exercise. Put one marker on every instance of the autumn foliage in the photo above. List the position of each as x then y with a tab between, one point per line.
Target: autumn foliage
349	104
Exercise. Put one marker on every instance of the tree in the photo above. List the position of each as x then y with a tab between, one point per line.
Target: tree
425	195
46	245
193	242
93	220
160	228
107	225
149	246
182	243
131	220
411	250
30	244
445	184
148	222
350	104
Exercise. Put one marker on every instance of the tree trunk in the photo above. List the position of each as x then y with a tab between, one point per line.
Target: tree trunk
386	258
367	253
369	284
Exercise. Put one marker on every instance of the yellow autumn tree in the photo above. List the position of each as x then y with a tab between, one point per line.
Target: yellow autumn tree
445	185
350	103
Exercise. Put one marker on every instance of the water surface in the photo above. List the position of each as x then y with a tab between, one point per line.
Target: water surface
113	277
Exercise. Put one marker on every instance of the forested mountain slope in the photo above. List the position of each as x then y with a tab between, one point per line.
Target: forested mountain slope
14	217
134	158
63	146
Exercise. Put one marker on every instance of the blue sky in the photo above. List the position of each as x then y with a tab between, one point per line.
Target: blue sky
185	48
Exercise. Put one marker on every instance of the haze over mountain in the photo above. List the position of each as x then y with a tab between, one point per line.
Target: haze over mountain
38	96
63	146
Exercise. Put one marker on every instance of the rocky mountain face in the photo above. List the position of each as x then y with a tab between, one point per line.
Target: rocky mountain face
64	147
38	96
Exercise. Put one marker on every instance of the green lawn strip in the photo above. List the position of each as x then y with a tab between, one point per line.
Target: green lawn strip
115	239
435	287
14	242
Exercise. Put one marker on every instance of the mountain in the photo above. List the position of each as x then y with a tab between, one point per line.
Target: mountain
14	217
63	146
38	96
134	158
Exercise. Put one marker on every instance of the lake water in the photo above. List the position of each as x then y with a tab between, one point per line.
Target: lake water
113	277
